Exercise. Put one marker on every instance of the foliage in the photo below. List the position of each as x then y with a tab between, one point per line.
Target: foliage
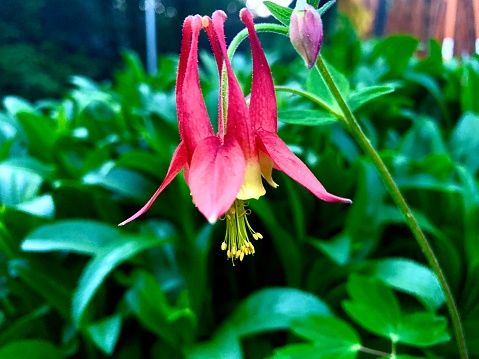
327	280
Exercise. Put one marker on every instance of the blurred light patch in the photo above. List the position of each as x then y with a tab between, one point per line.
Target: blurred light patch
259	9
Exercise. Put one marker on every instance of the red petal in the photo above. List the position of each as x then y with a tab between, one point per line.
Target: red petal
208	26
185	50
238	121
287	162
195	121
262	108
177	163
216	175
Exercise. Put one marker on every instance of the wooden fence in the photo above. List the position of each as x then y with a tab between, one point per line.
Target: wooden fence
422	18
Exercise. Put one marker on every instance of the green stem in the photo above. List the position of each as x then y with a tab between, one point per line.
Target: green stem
312	98
398	198
243	34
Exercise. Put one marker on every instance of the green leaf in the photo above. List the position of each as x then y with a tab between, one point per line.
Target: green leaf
316	85
273	309
41	133
334	337
464	142
77	236
150	305
15	105
428	82
105	333
281	13
30	349
145	162
470	195
373	306
360	97
43	280
397	60
423	329
470	86
306	117
18	185
337	248
265	310
284	243
118	251
23	326
411	277
325	7
423	139
126	182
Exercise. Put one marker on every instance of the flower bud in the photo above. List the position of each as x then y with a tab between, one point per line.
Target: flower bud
306	33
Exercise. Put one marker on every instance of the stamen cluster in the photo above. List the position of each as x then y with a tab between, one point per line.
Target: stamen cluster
236	242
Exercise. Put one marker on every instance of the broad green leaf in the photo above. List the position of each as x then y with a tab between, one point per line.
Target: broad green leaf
77	236
266	310
84	83
470	195
411	277
339	79
423	329
42	279
15	105
31	164
42	206
464	142
373	306
273	309
281	13
334	337
23	326
406	356
31	349
428	82
119	250
41	133
423	139
105	333
285	244
141	161
150	305
397	60
358	98
306	117
316	85
18	185
128	183
337	248
470	86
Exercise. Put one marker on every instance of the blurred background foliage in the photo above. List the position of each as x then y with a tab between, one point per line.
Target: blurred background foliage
327	280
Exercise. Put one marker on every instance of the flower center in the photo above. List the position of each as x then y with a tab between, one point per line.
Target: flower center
237	243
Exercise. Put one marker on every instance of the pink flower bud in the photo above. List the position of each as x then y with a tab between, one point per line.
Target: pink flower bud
306	33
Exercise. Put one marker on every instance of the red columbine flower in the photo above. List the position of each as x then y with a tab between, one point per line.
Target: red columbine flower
225	169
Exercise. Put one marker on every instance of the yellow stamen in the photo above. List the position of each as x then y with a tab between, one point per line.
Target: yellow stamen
236	239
